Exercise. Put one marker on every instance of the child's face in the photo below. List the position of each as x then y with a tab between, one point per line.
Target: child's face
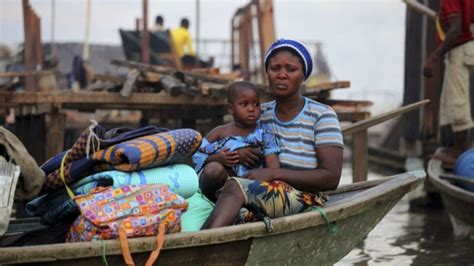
246	108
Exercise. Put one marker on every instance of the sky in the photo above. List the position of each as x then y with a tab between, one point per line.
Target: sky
363	40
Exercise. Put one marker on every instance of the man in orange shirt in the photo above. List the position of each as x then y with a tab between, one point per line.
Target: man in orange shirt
456	46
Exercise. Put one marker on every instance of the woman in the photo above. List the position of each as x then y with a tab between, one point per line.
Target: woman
310	141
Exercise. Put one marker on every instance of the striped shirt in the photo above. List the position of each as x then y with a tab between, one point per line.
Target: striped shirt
314	127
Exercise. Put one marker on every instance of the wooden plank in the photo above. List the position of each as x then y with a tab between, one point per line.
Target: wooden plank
104	99
109	78
352	116
348	103
421	8
166	70
127	87
25	74
317	88
358	130
362	125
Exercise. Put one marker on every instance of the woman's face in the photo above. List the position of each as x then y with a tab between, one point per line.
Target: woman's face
285	74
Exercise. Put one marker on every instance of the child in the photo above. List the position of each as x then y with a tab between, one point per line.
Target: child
218	157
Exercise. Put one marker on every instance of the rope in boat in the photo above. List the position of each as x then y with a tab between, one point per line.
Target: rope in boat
332	227
104	249
92	138
61	175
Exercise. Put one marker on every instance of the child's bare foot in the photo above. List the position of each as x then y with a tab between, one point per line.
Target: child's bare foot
447	156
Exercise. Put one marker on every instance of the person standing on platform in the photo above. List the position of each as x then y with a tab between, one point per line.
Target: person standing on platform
182	40
159	24
456	47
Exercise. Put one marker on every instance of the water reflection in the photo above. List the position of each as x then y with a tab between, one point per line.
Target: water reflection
407	236
419	237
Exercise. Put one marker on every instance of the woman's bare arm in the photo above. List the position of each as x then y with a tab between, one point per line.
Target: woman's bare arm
325	177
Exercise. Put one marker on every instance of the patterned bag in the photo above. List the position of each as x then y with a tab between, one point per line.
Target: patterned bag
138	209
128	211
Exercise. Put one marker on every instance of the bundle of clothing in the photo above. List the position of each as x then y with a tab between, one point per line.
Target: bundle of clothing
115	158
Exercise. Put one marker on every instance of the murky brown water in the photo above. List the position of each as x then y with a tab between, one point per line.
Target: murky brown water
405	236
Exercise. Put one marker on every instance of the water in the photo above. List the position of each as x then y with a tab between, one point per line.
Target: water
411	236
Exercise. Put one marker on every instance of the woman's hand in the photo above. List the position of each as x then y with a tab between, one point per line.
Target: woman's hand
250	157
262	174
226	157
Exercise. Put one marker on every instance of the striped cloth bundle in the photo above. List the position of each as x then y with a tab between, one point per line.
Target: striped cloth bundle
137	146
149	151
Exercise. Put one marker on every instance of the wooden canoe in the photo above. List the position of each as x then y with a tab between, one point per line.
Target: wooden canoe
458	202
298	239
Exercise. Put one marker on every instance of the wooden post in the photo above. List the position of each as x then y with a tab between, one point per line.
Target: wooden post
232	43
245	32
198	25
28	49
137	24
145	37
410	129
266	30
55	125
85	47
431	86
359	156
37	39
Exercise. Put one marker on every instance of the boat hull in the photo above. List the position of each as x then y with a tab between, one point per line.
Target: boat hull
458	202
297	239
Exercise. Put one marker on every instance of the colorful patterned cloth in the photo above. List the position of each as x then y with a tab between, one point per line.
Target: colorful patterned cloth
262	138
58	206
150	151
276	199
139	209
76	163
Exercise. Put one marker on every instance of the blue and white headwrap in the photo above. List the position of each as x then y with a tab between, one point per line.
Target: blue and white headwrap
298	47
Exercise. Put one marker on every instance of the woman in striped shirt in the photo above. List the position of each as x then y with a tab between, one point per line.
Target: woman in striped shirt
310	141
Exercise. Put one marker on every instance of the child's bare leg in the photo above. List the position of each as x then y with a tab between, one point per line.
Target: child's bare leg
227	207
212	179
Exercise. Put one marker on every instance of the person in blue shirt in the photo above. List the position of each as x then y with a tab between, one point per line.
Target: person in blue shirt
217	158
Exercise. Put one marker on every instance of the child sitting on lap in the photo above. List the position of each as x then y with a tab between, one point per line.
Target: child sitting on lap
218	158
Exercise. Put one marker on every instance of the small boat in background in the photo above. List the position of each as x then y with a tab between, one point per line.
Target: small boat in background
304	238
459	202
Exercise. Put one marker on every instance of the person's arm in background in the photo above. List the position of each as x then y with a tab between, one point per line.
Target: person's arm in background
447	44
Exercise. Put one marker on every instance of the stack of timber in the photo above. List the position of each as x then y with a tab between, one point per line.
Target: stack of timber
153	78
